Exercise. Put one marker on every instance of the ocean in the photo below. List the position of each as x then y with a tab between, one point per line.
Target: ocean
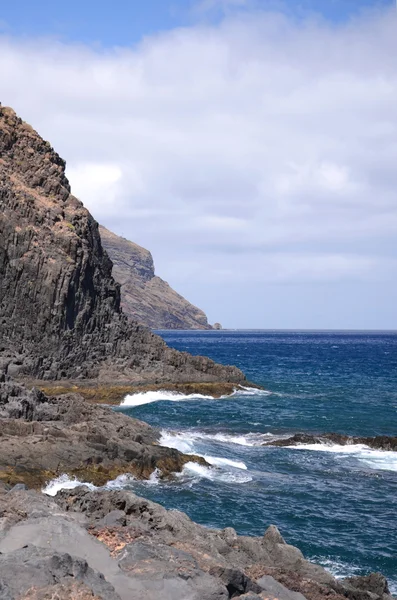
338	504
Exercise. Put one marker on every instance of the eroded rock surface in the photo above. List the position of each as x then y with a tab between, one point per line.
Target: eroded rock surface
60	314
145	297
43	437
144	551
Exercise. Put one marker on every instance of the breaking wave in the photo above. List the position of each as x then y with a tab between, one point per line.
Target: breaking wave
222	469
225	476
142	398
185	439
384	460
64	482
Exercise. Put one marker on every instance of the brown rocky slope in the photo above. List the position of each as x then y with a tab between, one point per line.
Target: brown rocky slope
60	314
145	297
44	437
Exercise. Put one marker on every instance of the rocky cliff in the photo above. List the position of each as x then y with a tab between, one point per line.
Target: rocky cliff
60	314
145	297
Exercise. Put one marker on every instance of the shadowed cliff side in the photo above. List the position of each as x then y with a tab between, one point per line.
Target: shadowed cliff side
145	297
60	314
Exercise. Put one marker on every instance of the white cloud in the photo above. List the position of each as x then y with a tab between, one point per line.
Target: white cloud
97	184
258	144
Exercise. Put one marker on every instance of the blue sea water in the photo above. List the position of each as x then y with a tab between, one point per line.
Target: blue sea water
337	504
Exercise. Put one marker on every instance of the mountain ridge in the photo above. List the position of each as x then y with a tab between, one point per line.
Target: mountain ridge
146	297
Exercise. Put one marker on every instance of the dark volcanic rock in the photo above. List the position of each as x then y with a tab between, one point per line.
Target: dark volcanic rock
151	553
42	437
381	442
145	297
60	314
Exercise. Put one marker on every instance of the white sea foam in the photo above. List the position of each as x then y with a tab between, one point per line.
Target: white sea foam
222	469
156	396
337	568
179	441
154	478
64	482
250	391
149	397
120	482
230	476
383	460
340	569
225	462
184	440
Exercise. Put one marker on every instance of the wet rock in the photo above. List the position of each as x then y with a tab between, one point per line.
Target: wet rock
41	438
374	584
382	442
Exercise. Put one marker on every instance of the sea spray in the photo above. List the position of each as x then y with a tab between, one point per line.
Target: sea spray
141	398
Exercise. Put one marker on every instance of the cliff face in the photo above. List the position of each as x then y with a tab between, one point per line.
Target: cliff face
145	297
60	312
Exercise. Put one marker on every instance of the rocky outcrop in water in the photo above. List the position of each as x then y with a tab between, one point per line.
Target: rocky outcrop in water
381	442
60	314
44	437
114	545
145	297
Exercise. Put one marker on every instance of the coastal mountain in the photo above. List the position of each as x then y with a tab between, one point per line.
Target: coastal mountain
60	313
145	297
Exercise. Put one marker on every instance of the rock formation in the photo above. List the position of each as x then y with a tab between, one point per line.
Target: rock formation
114	545
60	314
45	437
145	297
380	442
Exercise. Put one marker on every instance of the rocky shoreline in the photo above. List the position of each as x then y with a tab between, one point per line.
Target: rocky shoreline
113	545
111	394
43	437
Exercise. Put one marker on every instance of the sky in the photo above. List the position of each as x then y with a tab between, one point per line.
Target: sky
251	145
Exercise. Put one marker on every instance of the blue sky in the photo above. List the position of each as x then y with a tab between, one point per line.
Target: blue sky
251	145
125	22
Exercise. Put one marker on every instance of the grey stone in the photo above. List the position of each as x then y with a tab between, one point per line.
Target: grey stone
271	586
30	568
17	487
116	518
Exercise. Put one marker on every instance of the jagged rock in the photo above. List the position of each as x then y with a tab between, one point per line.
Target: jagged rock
375	584
381	442
41	438
31	573
145	297
60	314
153	553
